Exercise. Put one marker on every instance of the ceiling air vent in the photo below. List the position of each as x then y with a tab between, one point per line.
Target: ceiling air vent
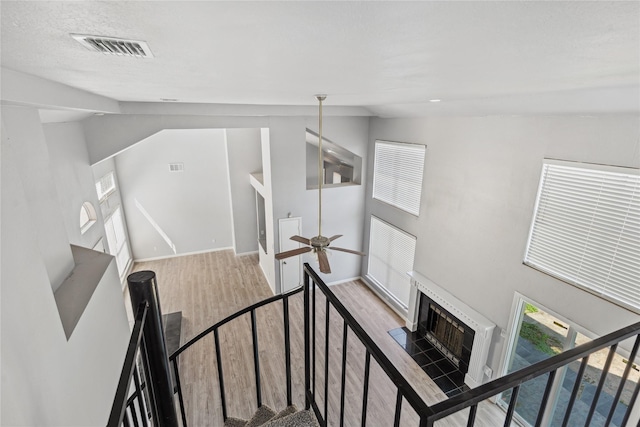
176	167
114	46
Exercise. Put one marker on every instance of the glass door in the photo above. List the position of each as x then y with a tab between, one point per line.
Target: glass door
587	387
538	335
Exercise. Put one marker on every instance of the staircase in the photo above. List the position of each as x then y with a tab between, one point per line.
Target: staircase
267	417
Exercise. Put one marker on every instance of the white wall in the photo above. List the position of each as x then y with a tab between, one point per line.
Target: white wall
190	210
27	145
48	380
74	180
245	157
343	207
480	183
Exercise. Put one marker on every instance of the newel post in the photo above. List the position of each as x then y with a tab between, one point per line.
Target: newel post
143	287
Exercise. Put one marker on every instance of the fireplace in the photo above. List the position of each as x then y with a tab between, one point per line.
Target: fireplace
459	332
452	337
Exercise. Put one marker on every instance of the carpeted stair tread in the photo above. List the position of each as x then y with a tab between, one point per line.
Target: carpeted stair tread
234	422
285	412
298	419
262	415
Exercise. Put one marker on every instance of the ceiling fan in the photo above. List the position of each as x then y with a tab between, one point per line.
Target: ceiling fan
318	244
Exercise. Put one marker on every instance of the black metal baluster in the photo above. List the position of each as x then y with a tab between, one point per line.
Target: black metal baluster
313	339
125	420
326	361
623	380
307	352
396	419
287	348
473	410
365	392
512	406
632	402
138	394
603	377
134	414
574	392
344	370
180	398
256	357
148	385
223	399
545	398
141	402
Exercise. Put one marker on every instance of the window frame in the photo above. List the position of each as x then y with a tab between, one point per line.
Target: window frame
605	290
89	211
414	184
102	194
382	287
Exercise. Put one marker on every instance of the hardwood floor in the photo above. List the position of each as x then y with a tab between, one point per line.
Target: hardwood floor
209	287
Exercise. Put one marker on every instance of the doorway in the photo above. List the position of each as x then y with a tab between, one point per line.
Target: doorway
290	268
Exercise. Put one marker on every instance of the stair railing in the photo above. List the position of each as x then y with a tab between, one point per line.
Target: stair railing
173	359
404	390
121	401
154	396
471	398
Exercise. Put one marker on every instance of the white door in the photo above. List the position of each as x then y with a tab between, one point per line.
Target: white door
290	268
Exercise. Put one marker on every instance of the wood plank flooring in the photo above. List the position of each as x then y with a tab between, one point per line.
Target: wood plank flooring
209	287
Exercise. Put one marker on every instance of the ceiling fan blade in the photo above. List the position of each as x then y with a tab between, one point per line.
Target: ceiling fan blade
332	238
324	262
301	240
348	250
293	252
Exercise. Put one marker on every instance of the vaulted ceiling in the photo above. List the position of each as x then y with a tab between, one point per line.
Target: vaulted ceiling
390	57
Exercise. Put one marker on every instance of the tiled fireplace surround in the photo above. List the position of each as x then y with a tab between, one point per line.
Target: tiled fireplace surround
481	326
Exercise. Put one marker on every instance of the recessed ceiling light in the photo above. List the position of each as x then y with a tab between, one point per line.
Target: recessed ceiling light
435	100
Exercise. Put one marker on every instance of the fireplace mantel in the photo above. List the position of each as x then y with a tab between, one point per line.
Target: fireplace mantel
482	326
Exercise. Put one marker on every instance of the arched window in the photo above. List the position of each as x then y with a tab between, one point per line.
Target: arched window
87	216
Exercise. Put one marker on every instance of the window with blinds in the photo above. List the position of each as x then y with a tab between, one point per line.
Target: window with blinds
106	186
397	174
586	229
391	253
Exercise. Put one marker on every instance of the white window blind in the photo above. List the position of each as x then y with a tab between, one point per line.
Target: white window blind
586	229
391	253
106	186
397	175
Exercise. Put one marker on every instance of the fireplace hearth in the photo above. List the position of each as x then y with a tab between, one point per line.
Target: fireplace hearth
450	324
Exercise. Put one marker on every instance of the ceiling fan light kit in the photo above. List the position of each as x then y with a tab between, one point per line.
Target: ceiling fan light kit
318	244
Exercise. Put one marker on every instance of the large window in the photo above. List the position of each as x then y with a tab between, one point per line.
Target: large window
117	240
391	253
106	186
586	229
397	175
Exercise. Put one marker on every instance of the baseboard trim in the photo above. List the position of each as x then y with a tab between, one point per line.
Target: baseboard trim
386	299
245	253
339	282
206	251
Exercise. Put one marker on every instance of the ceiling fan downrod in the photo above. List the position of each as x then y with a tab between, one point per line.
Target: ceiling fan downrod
320	98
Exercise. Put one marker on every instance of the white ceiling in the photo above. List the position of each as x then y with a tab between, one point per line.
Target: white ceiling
391	57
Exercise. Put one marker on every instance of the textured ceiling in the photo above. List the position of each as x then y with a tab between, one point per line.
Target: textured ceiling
387	56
